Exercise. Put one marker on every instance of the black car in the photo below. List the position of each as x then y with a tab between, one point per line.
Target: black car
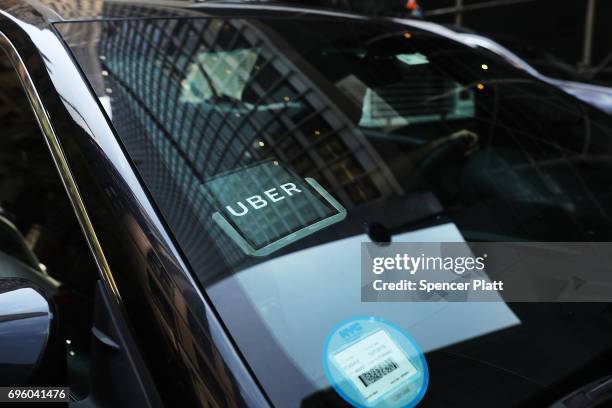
188	185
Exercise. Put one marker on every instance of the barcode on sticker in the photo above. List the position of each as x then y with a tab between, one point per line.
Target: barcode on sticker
379	371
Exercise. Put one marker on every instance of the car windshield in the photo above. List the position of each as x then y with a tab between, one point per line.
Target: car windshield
309	135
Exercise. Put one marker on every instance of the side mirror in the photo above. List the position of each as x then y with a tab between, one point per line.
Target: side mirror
25	325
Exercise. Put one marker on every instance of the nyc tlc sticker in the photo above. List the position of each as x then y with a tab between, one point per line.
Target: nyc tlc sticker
373	363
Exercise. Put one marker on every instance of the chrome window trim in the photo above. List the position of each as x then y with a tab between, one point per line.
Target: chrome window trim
57	153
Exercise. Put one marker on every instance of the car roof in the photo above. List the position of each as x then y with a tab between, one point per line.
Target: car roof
45	12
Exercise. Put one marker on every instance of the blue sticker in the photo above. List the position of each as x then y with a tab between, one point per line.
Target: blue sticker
374	363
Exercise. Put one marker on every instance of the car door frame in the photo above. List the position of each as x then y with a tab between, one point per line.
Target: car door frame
128	238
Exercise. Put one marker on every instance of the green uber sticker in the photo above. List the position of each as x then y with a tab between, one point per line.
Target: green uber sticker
266	207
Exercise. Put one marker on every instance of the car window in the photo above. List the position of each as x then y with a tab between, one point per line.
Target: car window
416	137
41	233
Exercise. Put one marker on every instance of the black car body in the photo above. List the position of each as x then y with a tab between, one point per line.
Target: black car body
104	79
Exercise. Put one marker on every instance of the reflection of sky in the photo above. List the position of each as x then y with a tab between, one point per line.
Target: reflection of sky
301	296
22	341
24	300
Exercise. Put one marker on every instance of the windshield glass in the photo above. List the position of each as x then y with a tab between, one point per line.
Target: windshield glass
308	136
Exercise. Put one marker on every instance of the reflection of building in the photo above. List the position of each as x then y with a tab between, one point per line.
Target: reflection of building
87	35
216	134
74	9
179	116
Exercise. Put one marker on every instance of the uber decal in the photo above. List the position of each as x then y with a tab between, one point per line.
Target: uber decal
266	207
257	202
